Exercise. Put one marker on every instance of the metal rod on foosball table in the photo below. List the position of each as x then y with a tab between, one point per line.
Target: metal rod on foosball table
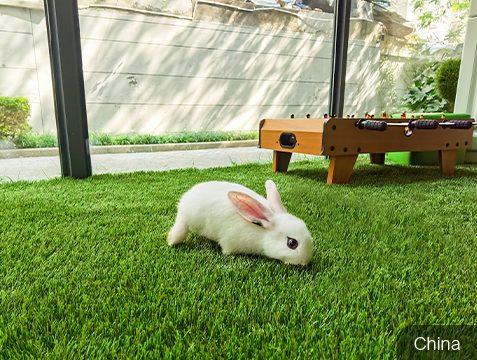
382	124
440	124
451	123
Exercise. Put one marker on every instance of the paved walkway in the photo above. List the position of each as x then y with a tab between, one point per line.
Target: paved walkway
39	168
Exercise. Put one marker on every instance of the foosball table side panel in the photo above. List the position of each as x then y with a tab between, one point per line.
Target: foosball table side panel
342	137
306	135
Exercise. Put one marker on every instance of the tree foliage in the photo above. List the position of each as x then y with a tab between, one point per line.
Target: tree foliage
431	12
421	95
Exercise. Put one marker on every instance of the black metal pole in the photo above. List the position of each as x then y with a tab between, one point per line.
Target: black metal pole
62	22
339	56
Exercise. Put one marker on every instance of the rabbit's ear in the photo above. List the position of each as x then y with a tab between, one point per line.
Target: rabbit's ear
250	209
273	197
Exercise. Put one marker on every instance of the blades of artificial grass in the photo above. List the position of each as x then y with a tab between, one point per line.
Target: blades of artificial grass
86	271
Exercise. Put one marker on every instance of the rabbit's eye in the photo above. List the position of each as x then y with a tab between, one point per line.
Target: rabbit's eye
292	243
256	222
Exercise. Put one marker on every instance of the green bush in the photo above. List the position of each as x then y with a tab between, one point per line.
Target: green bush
34	140
422	95
182	137
14	114
447	75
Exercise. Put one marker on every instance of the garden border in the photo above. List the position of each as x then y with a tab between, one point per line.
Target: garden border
121	149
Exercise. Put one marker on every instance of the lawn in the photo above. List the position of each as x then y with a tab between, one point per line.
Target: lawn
86	272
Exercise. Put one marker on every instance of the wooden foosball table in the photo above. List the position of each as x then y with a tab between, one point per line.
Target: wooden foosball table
342	140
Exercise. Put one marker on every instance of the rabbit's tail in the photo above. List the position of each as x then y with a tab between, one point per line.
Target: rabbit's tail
178	232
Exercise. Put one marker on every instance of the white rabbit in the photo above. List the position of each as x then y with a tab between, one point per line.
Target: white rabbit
242	222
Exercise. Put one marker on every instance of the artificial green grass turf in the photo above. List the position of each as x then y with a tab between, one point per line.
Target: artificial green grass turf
86	272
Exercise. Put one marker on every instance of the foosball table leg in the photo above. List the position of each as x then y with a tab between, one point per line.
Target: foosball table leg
280	161
377	158
447	160
340	169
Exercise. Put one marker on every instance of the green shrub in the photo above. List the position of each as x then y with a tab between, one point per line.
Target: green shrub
182	137
34	140
447	75
100	139
422	95
14	114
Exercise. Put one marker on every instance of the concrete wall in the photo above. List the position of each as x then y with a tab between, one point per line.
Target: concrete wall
24	62
153	74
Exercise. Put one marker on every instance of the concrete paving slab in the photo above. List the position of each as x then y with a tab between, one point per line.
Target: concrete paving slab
40	168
